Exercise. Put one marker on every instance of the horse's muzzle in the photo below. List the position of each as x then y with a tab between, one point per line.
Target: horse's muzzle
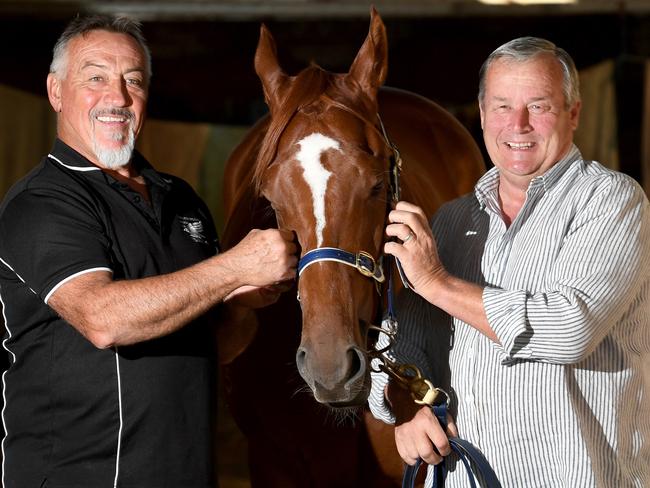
337	382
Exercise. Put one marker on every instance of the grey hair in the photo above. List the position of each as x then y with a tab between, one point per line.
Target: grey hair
82	25
527	48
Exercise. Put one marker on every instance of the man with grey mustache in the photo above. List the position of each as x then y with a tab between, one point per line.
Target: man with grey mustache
109	274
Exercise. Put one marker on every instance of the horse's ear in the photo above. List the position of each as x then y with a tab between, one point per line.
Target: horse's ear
371	64
268	68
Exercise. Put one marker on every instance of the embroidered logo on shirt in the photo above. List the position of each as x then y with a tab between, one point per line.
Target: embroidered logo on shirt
194	228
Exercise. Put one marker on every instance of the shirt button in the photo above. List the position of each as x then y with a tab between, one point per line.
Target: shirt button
136	199
469	398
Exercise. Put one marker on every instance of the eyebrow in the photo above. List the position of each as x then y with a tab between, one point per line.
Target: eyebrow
91	64
534	99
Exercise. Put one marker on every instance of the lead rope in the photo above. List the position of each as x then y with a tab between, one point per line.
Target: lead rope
422	391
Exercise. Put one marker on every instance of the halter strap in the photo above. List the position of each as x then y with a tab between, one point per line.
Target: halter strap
395	165
361	261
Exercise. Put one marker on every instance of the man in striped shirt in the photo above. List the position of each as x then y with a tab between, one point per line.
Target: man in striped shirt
542	279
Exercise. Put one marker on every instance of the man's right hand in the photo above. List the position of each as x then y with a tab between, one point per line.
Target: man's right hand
423	437
264	257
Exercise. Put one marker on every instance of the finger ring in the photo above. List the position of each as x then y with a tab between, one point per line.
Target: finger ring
407	238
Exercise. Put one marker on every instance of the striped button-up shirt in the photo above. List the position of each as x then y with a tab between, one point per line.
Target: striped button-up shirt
564	401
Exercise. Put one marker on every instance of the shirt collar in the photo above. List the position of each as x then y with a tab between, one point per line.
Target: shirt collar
64	155
551	177
487	186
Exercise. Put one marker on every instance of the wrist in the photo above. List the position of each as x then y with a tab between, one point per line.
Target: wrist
401	403
224	273
433	284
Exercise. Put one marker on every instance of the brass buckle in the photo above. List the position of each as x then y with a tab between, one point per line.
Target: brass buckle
422	390
364	270
433	396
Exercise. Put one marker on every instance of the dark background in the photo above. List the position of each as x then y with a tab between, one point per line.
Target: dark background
203	60
203	52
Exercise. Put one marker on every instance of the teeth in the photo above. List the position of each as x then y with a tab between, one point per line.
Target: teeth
519	145
107	118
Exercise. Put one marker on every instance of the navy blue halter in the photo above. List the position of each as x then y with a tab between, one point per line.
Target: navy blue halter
361	261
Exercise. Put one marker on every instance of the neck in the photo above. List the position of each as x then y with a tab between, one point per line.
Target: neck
131	178
511	199
124	172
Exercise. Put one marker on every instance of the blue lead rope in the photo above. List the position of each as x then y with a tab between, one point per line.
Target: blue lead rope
469	455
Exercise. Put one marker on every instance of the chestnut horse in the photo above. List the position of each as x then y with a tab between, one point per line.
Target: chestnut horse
318	165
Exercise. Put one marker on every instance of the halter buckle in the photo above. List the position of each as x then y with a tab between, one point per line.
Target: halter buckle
362	264
367	266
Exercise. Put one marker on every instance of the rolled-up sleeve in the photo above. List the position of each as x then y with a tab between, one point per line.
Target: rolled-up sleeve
602	262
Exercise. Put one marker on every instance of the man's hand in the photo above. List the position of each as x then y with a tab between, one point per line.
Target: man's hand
423	437
264	257
418	254
416	248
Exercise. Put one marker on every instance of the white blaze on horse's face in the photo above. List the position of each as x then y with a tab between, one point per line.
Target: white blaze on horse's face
316	176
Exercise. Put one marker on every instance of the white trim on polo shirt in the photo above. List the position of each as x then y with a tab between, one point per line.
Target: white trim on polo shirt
91	270
17	275
4	386
119	432
74	168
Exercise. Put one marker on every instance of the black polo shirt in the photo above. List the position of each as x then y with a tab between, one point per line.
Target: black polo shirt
77	416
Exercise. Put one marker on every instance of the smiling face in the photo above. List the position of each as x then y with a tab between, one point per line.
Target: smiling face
101	97
526	125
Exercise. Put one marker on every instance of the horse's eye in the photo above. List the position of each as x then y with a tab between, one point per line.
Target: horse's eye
377	189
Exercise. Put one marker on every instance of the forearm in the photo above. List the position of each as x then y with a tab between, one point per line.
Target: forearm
139	310
118	312
129	311
459	299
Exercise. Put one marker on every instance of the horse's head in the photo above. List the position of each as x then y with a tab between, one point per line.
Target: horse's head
324	168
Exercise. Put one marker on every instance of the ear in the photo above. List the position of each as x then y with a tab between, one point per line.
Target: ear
371	64
274	80
574	115
54	91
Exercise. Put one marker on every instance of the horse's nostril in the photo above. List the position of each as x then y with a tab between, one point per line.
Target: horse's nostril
301	357
357	363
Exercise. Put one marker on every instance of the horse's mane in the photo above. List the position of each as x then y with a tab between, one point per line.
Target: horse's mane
304	89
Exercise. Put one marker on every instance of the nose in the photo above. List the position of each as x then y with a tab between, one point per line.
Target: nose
117	94
521	120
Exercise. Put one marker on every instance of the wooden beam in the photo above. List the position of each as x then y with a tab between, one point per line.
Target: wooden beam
311	9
